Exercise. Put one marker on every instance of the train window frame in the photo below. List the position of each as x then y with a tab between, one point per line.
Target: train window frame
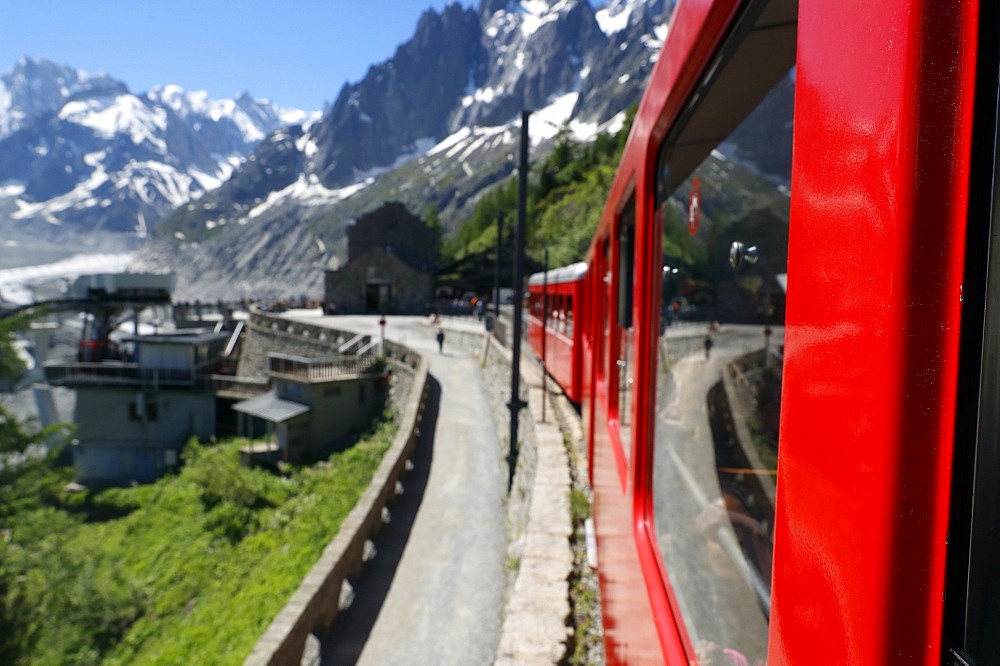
686	145
602	277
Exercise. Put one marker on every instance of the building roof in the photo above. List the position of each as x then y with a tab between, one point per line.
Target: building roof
271	408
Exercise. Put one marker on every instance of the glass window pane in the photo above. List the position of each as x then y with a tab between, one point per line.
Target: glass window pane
719	380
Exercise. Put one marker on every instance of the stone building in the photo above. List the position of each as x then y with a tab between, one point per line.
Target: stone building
315	404
390	266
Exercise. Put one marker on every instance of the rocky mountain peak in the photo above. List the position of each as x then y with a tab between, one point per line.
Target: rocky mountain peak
38	86
431	126
80	151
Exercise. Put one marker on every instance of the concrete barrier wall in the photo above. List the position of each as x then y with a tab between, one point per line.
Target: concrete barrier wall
314	606
267	332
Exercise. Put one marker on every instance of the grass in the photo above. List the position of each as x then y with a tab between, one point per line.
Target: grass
191	569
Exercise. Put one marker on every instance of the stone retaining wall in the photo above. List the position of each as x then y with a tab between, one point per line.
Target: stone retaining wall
267	333
314	606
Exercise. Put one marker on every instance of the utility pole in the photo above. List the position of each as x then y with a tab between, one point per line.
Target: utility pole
496	273
516	404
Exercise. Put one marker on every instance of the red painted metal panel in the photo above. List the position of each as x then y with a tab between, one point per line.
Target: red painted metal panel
639	623
883	112
563	339
630	630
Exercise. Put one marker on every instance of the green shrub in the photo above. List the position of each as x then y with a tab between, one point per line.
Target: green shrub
191	569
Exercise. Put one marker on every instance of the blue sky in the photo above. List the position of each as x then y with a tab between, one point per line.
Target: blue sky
297	53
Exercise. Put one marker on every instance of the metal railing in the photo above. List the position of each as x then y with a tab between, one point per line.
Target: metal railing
116	372
318	369
248	387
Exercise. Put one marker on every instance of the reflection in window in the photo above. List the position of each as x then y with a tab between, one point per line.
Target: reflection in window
719	382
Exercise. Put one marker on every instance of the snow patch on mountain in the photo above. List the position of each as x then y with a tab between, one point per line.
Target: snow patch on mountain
87	152
307	191
536	13
619	15
124	115
613	18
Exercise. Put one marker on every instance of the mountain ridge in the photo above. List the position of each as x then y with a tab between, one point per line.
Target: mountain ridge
81	151
359	154
434	126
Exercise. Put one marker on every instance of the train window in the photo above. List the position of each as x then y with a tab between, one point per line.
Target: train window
718	382
569	315
623	373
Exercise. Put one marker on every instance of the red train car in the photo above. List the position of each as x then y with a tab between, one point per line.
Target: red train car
802	467
559	292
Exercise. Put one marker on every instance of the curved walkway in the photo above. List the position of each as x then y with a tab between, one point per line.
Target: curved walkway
434	592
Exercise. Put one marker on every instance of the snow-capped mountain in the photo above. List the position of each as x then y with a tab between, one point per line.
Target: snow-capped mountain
466	71
466	68
34	87
81	151
433	125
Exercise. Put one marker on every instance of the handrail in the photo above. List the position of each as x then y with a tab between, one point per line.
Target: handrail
322	368
353	342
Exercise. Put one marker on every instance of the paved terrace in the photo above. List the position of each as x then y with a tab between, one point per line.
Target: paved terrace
444	587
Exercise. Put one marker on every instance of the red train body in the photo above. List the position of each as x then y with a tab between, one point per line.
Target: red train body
855	331
559	293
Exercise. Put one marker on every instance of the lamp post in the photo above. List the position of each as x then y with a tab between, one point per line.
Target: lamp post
516	404
496	272
381	326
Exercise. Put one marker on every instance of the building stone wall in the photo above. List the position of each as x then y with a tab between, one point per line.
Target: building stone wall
410	291
391	259
268	333
135	443
394	230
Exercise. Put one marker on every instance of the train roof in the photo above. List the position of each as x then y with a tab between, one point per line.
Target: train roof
570	273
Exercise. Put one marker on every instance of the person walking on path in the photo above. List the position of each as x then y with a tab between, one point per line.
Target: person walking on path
440	339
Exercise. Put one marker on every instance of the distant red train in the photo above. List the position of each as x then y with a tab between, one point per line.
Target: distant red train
555	302
789	369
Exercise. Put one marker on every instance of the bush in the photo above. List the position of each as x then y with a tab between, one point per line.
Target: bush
220	477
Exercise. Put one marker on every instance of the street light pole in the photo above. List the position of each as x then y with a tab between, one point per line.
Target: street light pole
496	273
516	404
